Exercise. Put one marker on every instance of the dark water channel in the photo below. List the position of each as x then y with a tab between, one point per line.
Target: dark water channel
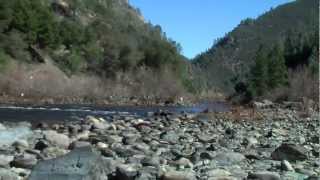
54	113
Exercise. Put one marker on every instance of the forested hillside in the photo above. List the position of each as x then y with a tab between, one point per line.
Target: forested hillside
108	39
267	53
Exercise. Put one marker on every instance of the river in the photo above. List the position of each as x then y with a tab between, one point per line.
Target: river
58	113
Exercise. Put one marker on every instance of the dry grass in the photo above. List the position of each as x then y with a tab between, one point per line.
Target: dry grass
45	81
302	84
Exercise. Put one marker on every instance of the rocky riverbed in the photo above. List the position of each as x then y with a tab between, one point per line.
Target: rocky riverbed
281	144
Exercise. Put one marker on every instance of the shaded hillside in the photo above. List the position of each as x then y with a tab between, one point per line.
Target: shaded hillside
104	38
230	58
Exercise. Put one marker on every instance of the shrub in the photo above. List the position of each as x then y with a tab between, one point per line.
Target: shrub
4	59
75	62
14	45
302	84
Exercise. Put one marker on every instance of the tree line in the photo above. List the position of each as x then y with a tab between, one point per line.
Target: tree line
101	37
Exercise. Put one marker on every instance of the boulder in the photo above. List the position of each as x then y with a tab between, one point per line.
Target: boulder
79	144
249	142
6	174
20	144
80	164
2	127
183	162
264	175
286	166
290	152
206	138
10	135
97	123
170	136
229	158
151	161
54	152
5	160
25	160
218	173
41	145
58	139
178	175
294	175
126	172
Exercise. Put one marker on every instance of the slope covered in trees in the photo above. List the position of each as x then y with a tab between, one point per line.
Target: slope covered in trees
259	53
100	37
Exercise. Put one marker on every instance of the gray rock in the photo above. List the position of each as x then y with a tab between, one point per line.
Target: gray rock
250	142
41	145
97	123
178	175
110	165
79	144
130	139
5	160
23	173
58	139
25	160
183	163
54	152
108	153
10	135
290	152
206	155
170	137
126	172
286	166
151	161
206	138
305	171
313	178
264	175
125	151
293	176
148	173
2	127
113	139
21	144
80	164
223	178
74	129
6	174
218	173
229	158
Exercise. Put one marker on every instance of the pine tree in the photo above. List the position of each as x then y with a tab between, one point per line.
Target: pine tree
259	74
277	70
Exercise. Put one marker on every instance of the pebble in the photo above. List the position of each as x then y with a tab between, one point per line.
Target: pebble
172	146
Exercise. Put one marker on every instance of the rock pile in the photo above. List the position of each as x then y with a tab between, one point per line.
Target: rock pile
169	147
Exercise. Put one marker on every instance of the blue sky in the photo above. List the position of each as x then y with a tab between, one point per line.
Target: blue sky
195	24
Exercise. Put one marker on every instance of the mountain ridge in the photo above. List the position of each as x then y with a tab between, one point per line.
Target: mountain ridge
232	55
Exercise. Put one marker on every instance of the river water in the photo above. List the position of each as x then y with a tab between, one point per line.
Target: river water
54	113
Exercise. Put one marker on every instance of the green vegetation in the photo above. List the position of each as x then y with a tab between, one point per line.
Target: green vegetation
88	36
259	74
3	60
289	36
269	72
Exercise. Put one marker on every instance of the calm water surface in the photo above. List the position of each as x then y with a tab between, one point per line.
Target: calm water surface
54	113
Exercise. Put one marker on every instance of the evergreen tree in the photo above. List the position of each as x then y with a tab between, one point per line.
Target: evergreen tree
314	61
259	74
277	70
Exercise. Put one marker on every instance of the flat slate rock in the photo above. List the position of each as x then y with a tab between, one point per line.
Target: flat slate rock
80	164
290	152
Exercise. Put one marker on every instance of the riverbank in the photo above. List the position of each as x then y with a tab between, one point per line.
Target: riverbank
280	143
128	101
